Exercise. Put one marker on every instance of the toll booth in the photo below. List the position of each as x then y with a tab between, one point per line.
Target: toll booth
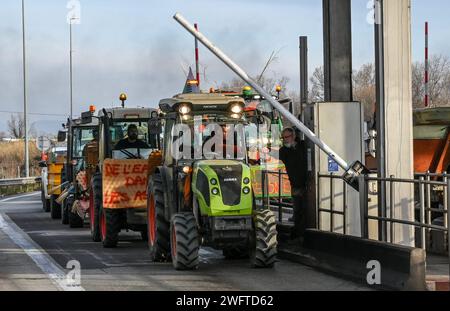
341	125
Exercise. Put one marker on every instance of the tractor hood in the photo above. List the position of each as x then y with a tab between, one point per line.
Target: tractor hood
221	183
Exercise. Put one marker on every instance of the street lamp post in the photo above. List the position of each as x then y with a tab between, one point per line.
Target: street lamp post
25	117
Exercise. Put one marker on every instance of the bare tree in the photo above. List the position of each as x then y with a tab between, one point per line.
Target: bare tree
16	126
439	78
317	89
364	89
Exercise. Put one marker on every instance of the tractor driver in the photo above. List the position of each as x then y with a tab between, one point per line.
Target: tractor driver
131	141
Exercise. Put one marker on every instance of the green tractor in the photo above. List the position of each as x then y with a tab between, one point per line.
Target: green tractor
202	195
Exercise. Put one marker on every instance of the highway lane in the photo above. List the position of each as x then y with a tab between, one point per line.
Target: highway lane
128	267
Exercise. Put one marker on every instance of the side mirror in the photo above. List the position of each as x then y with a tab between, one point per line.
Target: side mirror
62	136
42	164
86	117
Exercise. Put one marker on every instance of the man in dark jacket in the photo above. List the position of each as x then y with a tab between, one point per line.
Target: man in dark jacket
131	141
293	155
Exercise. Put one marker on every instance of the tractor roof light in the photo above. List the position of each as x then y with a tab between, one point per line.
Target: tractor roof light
92	108
187	169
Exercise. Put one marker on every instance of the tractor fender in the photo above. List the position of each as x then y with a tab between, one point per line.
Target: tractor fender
169	200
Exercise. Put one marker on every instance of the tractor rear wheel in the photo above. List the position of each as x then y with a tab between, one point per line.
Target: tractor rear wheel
184	242
157	226
55	208
263	240
95	203
110	225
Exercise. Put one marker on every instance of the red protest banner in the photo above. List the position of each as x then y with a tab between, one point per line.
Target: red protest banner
125	183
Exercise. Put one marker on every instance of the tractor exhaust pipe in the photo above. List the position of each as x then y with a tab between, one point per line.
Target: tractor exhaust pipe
352	171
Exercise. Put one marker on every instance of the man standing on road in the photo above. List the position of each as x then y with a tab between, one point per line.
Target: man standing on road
293	155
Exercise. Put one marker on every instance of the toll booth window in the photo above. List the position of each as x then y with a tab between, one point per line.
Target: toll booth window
81	138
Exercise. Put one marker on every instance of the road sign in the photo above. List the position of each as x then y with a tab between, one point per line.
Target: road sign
333	167
43	143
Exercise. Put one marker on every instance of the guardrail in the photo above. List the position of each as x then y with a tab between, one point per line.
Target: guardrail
19	185
19	181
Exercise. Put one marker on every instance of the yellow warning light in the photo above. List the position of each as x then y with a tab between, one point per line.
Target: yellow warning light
123	97
92	108
278	88
247	88
192	82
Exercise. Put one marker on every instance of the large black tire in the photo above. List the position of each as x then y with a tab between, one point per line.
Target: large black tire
158	227
236	252
263	240
110	226
96	197
55	208
45	202
67	204
184	242
75	221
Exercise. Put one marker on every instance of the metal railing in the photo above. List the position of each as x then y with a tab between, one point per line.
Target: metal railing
425	185
332	211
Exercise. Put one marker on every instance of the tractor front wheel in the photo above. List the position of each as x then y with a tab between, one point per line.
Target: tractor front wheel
110	225
75	221
95	203
157	227
55	207
66	206
184	242
45	202
263	240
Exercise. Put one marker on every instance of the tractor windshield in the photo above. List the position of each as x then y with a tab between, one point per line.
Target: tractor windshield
81	137
119	132
211	137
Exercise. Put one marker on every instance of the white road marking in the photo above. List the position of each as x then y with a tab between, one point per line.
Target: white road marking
23	202
19	197
46	263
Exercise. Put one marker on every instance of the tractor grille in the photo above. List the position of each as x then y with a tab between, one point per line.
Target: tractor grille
203	186
230	180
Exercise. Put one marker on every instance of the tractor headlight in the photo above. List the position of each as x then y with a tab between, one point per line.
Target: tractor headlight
215	191
246	180
246	190
184	109
236	108
213	181
235	115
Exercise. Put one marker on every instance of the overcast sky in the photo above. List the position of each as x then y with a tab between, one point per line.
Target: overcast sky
136	47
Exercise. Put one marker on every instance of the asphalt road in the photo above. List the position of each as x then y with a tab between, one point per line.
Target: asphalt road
128	267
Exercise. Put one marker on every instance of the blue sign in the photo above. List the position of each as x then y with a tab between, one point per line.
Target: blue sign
333	167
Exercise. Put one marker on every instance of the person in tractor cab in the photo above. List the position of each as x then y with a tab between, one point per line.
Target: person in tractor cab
131	141
94	141
293	155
